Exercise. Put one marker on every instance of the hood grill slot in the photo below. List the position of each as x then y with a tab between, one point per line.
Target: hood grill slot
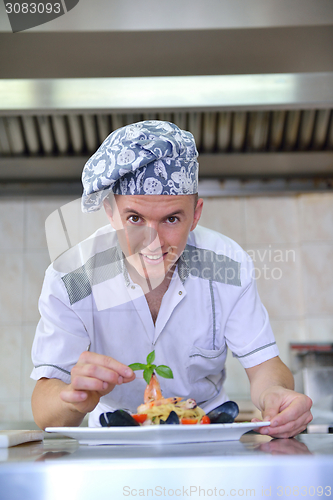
215	132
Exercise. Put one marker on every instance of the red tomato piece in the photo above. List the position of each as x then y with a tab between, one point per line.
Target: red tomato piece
205	420
189	421
140	418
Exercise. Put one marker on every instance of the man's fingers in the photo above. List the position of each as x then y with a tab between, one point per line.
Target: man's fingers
107	362
73	396
95	372
298	407
93	376
82	383
270	411
289	413
289	429
271	406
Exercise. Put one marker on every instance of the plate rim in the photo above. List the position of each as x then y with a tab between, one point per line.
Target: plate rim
148	428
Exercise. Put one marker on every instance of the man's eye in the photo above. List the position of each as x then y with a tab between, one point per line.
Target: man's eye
172	219
134	218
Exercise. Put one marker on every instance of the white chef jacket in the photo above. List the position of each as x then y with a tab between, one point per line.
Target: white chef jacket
89	301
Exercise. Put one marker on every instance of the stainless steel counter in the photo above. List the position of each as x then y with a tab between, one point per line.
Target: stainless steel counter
255	467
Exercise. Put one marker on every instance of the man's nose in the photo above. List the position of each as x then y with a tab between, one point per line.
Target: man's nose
140	237
152	238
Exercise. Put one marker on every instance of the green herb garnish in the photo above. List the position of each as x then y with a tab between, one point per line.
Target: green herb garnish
149	368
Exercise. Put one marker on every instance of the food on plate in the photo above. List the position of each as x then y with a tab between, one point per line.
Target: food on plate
118	418
158	408
224	414
166	411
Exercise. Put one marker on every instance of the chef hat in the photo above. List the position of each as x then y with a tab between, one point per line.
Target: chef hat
149	157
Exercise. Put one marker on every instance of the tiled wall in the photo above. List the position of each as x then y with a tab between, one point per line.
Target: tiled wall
290	239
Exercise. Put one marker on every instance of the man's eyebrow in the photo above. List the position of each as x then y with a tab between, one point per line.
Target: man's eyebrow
176	212
132	211
172	214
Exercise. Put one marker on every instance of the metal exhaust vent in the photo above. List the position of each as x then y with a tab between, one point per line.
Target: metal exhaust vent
215	132
245	126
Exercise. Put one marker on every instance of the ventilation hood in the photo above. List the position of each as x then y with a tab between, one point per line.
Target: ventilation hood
268	128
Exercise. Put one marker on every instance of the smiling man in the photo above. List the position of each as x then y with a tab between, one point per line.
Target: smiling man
152	232
153	280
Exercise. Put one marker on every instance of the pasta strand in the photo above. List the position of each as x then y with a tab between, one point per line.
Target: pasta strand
161	412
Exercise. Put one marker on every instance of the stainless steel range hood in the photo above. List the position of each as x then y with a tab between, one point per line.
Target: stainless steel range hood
246	126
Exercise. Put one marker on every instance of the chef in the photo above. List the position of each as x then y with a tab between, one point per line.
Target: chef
153	279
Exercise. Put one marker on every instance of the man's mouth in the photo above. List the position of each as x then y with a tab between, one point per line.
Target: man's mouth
153	258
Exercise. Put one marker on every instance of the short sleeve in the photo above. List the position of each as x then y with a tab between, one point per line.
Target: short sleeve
61	335
249	334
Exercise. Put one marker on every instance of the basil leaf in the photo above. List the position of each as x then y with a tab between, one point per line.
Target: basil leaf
147	374
151	358
164	371
137	366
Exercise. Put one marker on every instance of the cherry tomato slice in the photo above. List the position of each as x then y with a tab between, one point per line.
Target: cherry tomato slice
205	420
189	421
140	418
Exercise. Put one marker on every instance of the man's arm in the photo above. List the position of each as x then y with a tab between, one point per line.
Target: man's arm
57	404
272	392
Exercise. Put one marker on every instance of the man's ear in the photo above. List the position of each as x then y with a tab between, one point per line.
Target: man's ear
112	211
197	213
108	210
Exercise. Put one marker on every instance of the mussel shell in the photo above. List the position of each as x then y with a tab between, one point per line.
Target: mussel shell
118	418
172	419
224	414
222	418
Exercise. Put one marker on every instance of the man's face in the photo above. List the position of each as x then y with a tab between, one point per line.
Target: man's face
153	230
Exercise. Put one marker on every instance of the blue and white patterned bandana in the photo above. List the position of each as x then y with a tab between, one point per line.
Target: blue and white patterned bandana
149	157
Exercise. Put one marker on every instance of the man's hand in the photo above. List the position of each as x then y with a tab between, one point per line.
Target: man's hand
93	376
288	411
56	404
272	392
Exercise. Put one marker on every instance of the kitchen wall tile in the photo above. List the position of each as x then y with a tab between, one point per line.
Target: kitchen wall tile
277	272
35	265
317	277
11	287
271	220
10	361
316	217
81	225
319	328
11	225
225	215
26	411
9	410
237	384
37	211
27	384
286	331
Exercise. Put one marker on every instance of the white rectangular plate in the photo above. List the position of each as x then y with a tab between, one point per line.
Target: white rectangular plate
157	434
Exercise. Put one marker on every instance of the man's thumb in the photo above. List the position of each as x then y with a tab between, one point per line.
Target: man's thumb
270	409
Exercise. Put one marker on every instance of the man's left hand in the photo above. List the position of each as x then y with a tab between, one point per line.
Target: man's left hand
288	412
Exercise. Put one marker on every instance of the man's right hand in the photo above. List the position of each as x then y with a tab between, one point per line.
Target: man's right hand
93	376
